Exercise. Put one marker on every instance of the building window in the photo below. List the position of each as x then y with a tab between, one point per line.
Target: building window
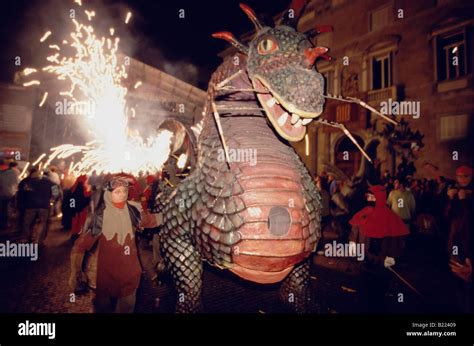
379	18
382	71
451	57
454	127
328	82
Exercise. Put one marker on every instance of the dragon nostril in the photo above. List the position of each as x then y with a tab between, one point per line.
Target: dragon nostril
279	221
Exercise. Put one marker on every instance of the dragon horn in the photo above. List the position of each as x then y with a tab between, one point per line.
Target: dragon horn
293	13
319	29
225	35
252	16
312	53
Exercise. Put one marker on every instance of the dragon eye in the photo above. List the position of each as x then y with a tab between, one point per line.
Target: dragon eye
266	46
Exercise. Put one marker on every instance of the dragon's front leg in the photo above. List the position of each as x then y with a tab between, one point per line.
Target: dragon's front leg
184	263
295	291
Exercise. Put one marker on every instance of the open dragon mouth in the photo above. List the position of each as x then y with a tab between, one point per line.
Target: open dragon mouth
289	121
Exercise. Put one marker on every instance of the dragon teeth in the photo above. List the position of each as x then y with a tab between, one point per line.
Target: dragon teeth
282	119
294	118
298	124
306	121
271	102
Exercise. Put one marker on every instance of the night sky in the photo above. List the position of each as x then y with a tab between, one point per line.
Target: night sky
155	35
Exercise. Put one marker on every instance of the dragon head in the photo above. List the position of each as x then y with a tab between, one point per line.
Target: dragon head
280	66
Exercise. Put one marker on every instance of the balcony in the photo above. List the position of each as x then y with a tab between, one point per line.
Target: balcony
374	97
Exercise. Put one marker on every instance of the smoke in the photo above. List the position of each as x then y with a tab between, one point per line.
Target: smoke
182	70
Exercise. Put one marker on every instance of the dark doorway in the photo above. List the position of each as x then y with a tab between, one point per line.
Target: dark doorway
347	156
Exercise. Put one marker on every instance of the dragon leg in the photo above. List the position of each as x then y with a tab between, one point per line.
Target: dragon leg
295	291
184	263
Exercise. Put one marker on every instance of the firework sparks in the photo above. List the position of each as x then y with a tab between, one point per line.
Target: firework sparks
89	14
127	18
94	76
23	172
43	100
27	71
39	159
45	36
33	82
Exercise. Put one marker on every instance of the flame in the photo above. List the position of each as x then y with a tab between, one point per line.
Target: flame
94	77
181	161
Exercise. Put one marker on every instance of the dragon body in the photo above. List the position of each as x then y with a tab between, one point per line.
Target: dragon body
250	206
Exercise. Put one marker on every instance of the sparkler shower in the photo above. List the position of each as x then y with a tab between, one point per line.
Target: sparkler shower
95	77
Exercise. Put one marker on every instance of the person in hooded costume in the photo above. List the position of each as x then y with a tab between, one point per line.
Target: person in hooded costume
381	233
111	226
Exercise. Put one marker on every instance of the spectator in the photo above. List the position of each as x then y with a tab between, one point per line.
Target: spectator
402	202
80	197
66	210
340	212
459	211
54	177
34	196
8	188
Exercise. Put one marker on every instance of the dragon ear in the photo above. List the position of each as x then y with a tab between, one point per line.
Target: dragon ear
252	16
225	35
293	13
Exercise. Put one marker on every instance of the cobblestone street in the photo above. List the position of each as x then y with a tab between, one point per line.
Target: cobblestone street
41	286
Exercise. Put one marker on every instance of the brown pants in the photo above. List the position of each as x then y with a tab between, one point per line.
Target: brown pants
122	305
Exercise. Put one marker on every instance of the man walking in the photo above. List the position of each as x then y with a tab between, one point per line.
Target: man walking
34	196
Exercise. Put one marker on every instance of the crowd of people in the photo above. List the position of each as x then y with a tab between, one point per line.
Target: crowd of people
102	214
441	208
105	211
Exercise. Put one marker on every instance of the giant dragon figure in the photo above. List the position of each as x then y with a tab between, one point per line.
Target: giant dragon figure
260	220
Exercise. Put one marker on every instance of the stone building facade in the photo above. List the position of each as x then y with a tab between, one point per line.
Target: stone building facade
417	52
